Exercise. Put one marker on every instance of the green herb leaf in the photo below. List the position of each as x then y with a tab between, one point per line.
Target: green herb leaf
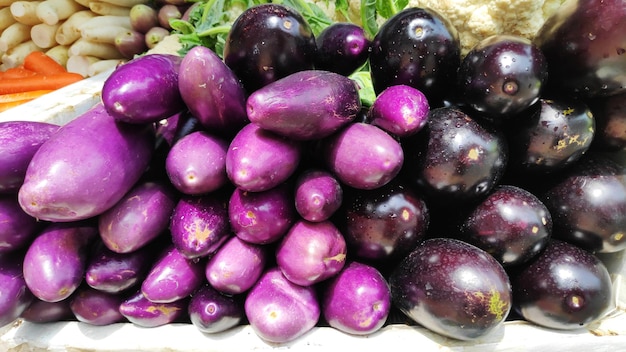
368	17
388	8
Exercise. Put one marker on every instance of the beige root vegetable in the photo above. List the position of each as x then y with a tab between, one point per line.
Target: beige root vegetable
106	21
53	11
106	9
69	31
15	56
102	34
25	12
100	50
59	53
7	3
80	64
102	66
6	18
44	35
125	3
13	35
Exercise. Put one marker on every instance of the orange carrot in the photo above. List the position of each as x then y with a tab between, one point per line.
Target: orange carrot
16	72
41	63
38	82
28	95
11	104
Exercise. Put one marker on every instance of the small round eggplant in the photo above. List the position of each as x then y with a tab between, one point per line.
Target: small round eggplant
357	301
140	311
452	288
280	311
311	252
167	12
261	217
306	105
212	91
172	277
17	228
196	164
199	225
143	17
96	307
125	227
258	160
342	47
268	42
212	311
55	262
318	195
565	287
15	297
362	165
236	266
144	89
400	110
130	43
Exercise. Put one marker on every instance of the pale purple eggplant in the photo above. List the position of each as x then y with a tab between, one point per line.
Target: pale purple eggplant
318	195
17	228
139	217
55	262
199	225
400	110
19	140
305	105
86	167
15	297
96	307
212	311
258	160
236	266
140	311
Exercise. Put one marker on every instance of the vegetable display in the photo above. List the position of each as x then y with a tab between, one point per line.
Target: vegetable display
237	182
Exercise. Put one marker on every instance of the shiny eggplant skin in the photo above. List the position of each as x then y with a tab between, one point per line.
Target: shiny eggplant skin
342	47
15	296
212	311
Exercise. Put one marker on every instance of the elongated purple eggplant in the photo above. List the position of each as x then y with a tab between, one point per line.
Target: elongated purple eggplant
362	165
236	266
199	225
15	297
305	105
212	312
318	194
17	228
96	307
172	277
86	167
19	140
42	312
212	91
140	311
258	160
144	89
138	218
261	217
55	262
196	164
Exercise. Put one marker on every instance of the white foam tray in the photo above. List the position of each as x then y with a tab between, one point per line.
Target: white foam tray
608	334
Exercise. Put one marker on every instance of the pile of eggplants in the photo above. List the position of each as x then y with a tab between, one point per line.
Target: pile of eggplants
259	188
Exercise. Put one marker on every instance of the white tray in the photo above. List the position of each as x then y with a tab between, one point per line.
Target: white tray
608	334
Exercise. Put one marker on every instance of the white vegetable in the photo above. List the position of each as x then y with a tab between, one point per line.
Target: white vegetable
44	35
106	21
99	50
102	34
80	64
106	9
53	11
69	30
59	53
125	3
15	56
25	12
6	18
102	66
13	35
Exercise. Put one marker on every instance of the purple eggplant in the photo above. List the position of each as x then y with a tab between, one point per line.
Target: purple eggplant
138	218
19	140
609	114
311	252
258	160
86	167
362	165
15	296
140	311
212	311
55	262
143	17
400	110
261	217
173	128
305	105
280	311
212	91
42	312
144	89
236	266
96	307
318	195
342	47
267	42
357	300
166	13
172	277
17	228
199	225
130	43
196	163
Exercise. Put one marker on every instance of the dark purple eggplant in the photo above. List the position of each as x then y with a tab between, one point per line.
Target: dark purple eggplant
452	288
96	307
417	47
267	42
42	312
140	311
565	287
584	43
212	311
342	47
15	296
17	228
305	105
609	114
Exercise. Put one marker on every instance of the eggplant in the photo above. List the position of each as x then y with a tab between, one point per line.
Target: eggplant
130	43
400	110
211	311
305	105
86	167
96	307
591	35
268	42
15	296
609	114
318	195
17	229
140	311
212	91
417	47
19	140
342	47
41	312
144	89
143	17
